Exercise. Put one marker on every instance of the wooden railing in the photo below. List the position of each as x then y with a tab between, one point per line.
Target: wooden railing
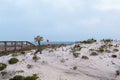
8	46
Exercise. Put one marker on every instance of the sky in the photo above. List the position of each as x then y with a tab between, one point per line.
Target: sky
59	20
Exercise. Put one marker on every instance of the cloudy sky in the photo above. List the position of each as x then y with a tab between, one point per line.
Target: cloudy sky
59	20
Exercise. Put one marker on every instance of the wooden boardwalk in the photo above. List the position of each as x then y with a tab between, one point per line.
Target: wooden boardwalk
10	46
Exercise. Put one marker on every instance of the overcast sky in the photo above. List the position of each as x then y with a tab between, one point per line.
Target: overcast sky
59	20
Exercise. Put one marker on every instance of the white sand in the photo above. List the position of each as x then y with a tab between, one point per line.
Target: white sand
58	65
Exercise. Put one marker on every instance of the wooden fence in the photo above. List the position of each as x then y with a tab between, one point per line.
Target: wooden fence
9	46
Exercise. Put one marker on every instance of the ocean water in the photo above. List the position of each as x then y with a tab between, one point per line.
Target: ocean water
55	42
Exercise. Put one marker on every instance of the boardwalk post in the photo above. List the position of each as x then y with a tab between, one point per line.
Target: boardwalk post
5	43
21	45
15	46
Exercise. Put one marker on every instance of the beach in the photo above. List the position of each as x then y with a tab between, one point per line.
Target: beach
78	61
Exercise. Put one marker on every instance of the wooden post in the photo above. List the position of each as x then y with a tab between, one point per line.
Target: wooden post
15	46
21	45
5	43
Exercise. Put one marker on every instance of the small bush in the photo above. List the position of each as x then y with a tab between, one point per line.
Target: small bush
13	61
85	57
89	41
108	51
17	77
114	56
15	54
29	66
35	58
75	67
107	40
23	52
34	77
2	66
91	49
101	50
93	54
76	55
3	73
116	50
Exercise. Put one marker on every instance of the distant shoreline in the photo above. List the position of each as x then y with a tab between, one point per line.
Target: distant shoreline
55	42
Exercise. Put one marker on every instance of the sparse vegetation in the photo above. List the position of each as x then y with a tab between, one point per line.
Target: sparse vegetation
107	40
3	73
14	54
29	66
89	41
2	66
23	52
85	57
94	54
114	56
75	67
76	55
116	50
101	50
19	77
35	58
13	61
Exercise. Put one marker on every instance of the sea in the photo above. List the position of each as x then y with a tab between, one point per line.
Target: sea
56	42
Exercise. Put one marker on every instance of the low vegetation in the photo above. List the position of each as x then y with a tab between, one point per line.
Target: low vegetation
89	41
35	58
94	54
13	61
85	57
2	66
76	55
19	77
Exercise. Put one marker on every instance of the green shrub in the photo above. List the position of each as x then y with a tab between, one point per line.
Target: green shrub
29	66
108	51
34	77
2	66
93	54
107	40
13	61
15	54
116	50
85	57
114	56
89	41
101	50
18	77
23	52
35	58
3	73
76	55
